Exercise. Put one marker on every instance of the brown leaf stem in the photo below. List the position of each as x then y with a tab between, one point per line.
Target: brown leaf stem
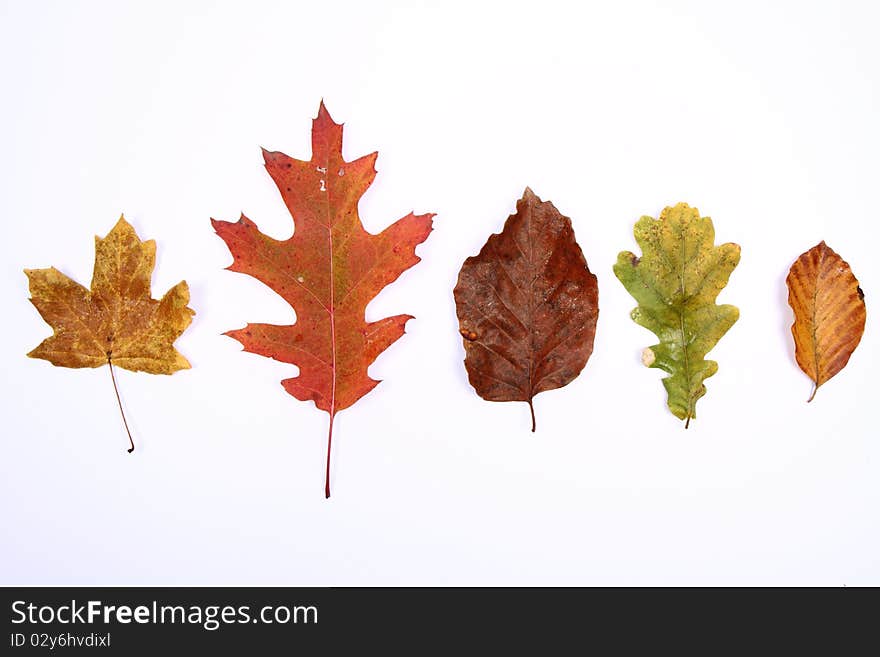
329	443
532	410
119	401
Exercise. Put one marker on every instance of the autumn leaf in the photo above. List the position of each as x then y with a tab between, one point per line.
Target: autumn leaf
527	306
328	271
116	322
675	282
829	313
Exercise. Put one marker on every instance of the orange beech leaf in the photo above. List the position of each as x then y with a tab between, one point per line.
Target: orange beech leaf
328	271
527	306
829	313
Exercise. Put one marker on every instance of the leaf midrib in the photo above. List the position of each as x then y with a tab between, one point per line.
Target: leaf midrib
681	309
813	326
332	305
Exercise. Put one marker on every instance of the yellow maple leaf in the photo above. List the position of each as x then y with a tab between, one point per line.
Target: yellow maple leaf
116	322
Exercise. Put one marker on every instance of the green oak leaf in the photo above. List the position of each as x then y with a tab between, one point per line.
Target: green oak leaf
676	281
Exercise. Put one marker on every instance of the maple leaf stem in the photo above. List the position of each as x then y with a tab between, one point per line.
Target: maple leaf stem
687	421
532	411
119	401
813	394
329	444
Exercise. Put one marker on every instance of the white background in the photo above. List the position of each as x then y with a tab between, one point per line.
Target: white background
763	115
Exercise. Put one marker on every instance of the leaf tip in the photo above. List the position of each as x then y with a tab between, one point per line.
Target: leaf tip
530	197
232	333
270	157
122	224
324	114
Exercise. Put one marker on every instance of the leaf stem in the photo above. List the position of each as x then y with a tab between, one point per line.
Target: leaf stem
119	401
329	443
813	394
532	410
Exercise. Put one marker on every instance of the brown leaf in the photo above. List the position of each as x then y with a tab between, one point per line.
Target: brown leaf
829	313
527	306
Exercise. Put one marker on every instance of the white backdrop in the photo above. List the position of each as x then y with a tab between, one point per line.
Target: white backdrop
763	115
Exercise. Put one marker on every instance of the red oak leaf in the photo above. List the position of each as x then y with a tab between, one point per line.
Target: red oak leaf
328	271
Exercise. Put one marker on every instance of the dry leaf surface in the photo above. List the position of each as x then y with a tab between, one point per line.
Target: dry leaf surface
829	313
676	281
116	320
527	306
328	271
